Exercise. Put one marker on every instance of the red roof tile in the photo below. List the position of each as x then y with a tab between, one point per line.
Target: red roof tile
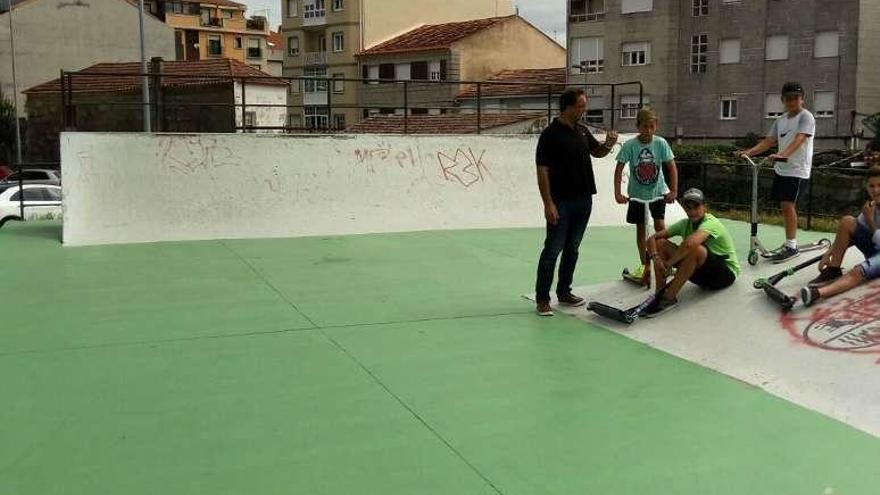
535	83
110	77
434	36
438	124
275	39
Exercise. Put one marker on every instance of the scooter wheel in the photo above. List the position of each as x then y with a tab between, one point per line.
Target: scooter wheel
753	258
825	243
759	284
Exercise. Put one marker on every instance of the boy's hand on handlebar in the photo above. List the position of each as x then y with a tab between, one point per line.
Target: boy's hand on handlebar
670	197
741	153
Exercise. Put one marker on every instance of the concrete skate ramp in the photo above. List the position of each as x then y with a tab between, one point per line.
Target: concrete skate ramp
125	188
826	358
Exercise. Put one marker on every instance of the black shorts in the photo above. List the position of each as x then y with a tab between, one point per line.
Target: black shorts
714	274
635	213
786	188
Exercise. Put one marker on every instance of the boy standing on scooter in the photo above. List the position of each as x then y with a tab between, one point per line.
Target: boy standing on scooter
647	155
794	132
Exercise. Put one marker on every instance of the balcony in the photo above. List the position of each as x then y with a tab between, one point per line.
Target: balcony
315	58
256	24
586	11
314	15
315	97
212	22
590	17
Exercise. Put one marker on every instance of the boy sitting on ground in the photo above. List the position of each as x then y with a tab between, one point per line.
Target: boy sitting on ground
861	232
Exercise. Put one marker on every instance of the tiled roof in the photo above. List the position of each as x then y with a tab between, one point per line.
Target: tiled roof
535	81
221	3
109	77
434	36
438	124
275	39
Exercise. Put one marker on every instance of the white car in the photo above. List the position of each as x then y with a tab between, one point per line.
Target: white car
41	201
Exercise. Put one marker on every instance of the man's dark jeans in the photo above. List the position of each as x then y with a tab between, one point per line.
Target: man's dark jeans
564	237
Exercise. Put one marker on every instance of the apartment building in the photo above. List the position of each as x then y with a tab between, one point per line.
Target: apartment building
323	36
713	68
214	29
51	35
433	59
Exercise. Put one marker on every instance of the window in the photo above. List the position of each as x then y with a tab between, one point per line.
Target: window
386	71
588	54
402	72
777	48
250	119
701	8
338	42
630	6
827	44
316	117
699	49
254	50
636	53
313	84
730	51
338	86
339	121
436	70
773	106
728	108
215	47
314	10
293	46
338	5
237	43
373	74
52	194
587	11
731	2
206	17
823	103
32	194
418	71
291	8
226	14
629	106
596	117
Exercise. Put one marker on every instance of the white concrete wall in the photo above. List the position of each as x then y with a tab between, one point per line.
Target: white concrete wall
259	94
188	187
51	35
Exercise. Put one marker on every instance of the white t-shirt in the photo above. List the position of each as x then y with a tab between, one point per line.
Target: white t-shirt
784	130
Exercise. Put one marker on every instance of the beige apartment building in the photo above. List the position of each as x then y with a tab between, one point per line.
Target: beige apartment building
214	29
323	36
714	68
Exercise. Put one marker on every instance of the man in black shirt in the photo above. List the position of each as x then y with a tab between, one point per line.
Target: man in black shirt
567	185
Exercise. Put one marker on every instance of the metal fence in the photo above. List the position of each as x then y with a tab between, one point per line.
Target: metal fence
316	99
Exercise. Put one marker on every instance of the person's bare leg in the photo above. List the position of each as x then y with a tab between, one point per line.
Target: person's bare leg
695	258
852	279
846	229
640	241
665	251
789	215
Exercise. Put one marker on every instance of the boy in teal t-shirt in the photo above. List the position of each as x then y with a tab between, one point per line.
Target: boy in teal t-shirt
647	155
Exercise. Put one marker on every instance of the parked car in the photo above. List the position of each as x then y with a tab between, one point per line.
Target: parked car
36	176
40	201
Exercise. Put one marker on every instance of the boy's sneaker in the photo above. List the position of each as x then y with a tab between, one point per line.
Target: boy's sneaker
570	299
785	254
825	277
637	272
544	309
660	306
809	295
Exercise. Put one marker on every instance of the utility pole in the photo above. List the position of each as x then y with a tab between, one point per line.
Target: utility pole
145	80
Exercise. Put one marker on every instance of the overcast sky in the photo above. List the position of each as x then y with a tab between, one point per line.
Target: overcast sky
548	15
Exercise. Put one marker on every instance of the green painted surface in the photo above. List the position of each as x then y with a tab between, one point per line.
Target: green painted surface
385	364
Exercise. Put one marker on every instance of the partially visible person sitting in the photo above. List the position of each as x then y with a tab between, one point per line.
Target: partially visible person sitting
861	232
706	256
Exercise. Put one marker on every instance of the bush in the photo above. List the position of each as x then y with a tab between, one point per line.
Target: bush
710	153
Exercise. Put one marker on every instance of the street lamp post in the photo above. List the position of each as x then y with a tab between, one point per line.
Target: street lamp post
145	83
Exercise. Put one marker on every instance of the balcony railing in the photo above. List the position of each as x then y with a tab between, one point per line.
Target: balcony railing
588	17
212	22
256	25
315	58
